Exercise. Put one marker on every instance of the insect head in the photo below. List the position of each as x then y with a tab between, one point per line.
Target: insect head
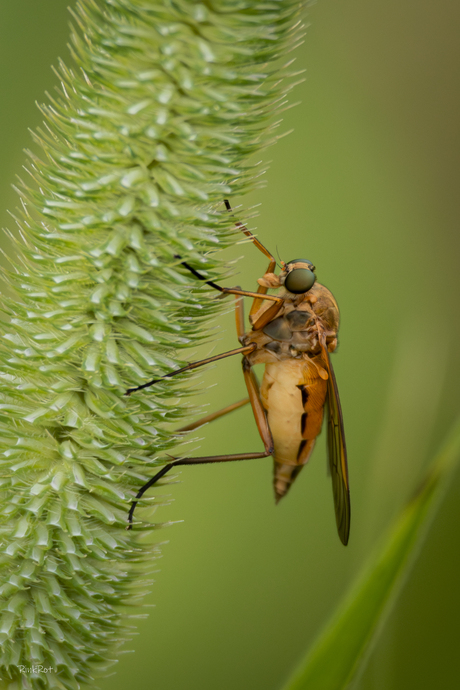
299	276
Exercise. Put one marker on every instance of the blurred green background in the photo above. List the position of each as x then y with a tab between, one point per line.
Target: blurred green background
367	188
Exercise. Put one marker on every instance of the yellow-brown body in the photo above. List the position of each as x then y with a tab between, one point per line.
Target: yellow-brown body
294	386
292	335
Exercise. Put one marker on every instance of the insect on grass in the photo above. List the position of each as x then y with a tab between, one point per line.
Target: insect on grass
292	333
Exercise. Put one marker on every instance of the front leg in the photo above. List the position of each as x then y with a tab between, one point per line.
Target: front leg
227	291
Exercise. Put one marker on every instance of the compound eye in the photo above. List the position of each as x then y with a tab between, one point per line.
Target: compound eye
299	280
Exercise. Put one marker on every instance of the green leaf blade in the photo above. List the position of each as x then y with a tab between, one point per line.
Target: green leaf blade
340	650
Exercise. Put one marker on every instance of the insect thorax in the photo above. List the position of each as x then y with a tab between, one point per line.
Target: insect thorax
293	333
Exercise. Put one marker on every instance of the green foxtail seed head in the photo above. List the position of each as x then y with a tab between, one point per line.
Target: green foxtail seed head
155	124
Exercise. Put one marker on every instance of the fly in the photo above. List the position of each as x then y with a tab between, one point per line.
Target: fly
292	333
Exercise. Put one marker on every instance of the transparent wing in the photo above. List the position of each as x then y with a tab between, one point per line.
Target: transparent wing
337	453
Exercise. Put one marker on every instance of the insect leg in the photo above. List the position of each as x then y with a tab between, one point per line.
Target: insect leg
229	291
246	293
262	425
189	461
251	382
256	242
195	365
257	408
214	415
239	317
261	290
266	316
239	313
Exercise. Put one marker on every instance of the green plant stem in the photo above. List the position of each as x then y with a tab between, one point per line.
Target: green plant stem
340	650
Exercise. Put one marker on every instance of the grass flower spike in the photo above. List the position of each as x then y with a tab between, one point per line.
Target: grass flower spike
157	122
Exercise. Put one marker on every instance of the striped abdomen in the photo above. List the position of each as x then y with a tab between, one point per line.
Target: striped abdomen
293	393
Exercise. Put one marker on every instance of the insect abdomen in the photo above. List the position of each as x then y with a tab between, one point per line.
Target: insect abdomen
293	394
